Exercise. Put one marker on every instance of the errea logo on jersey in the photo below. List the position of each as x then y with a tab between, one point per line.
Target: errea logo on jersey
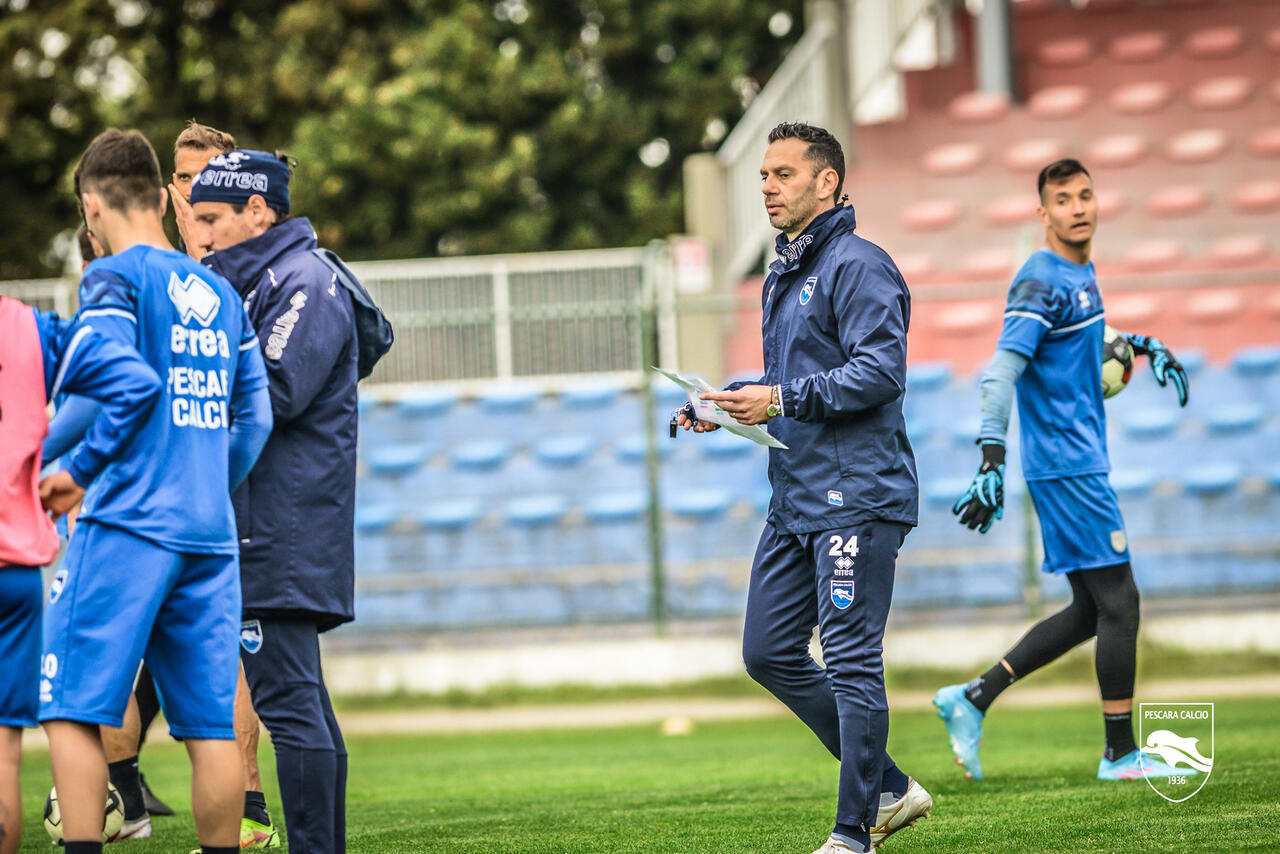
194	298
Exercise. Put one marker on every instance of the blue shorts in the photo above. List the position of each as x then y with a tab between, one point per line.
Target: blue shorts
122	598
20	592
1080	523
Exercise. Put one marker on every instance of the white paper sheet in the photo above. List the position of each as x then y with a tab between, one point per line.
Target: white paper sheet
707	410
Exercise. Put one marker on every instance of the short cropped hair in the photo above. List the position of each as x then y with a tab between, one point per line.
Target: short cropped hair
204	138
122	167
824	150
1059	171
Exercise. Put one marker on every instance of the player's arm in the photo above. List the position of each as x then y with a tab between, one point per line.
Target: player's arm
105	303
872	309
1166	368
96	368
251	418
983	502
299	363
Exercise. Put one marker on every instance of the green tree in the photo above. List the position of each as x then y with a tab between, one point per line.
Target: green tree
421	127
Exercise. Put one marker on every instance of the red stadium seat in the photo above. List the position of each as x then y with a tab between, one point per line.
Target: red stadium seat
1178	200
1214	306
1012	210
1154	254
1266	142
1273	39
955	158
1239	250
1275	91
915	264
1257	196
1141	98
1221	93
1273	305
930	215
979	107
1058	102
1117	149
996	263
967	318
1139	47
1065	52
1215	42
1112	203
1031	155
1034	8
1197	146
1132	309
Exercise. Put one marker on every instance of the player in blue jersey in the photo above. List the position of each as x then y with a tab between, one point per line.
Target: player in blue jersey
1050	350
158	521
38	358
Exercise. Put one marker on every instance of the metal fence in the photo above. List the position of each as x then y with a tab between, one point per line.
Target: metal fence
500	317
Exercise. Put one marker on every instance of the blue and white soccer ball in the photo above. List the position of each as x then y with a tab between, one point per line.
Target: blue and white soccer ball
1117	362
113	815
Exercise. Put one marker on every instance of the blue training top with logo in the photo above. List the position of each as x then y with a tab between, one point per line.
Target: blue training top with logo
170	484
1054	317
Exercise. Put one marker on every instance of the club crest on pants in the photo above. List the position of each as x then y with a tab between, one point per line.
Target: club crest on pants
251	636
842	592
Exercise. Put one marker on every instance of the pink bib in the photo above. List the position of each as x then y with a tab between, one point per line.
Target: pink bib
27	537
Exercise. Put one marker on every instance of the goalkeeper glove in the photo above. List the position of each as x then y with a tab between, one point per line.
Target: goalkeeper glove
1163	365
983	503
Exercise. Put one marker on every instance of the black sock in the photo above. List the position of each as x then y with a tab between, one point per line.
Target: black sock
894	782
124	776
215	849
83	848
255	807
855	833
1119	735
983	691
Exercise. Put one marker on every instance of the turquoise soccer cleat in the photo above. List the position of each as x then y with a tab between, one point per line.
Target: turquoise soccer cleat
964	727
1132	767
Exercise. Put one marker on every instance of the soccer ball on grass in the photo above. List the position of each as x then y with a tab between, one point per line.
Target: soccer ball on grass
113	815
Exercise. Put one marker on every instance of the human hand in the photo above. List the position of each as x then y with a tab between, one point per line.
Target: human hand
748	404
60	494
1163	365
983	503
187	226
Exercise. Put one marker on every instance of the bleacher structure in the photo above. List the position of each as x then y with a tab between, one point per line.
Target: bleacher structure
513	507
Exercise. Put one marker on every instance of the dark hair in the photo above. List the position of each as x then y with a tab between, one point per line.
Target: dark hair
204	138
1059	171
87	252
121	166
281	216
824	150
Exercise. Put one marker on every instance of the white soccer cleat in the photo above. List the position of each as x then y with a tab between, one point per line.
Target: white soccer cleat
904	812
837	846
138	828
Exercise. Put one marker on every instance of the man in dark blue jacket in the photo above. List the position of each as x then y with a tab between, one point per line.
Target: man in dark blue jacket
844	492
295	513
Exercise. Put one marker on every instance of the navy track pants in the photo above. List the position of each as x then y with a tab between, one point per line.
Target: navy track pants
841	581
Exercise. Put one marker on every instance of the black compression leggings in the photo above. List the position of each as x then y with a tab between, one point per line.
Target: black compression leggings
1104	603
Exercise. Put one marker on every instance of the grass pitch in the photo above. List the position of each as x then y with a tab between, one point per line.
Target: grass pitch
757	786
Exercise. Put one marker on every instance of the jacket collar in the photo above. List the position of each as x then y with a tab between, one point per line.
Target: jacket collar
246	262
790	253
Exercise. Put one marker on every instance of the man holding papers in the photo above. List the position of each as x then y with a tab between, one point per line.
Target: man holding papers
844	488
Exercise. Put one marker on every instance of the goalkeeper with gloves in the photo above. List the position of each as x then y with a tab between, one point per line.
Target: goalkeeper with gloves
1049	349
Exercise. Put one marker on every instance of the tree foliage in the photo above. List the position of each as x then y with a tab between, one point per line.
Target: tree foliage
421	127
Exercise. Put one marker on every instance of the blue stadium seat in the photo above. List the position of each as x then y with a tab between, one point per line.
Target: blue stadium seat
695	527
709	595
625	599
372	549
447	537
395	460
564	451
531	536
1142	517
534	603
617	530
1257	361
923	377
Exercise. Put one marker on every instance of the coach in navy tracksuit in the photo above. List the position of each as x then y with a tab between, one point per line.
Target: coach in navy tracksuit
844	492
295	513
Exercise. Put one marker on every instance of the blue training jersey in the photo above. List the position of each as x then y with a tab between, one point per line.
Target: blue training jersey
170	484
1054	317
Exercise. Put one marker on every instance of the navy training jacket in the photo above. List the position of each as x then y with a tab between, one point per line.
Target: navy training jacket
295	512
836	312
